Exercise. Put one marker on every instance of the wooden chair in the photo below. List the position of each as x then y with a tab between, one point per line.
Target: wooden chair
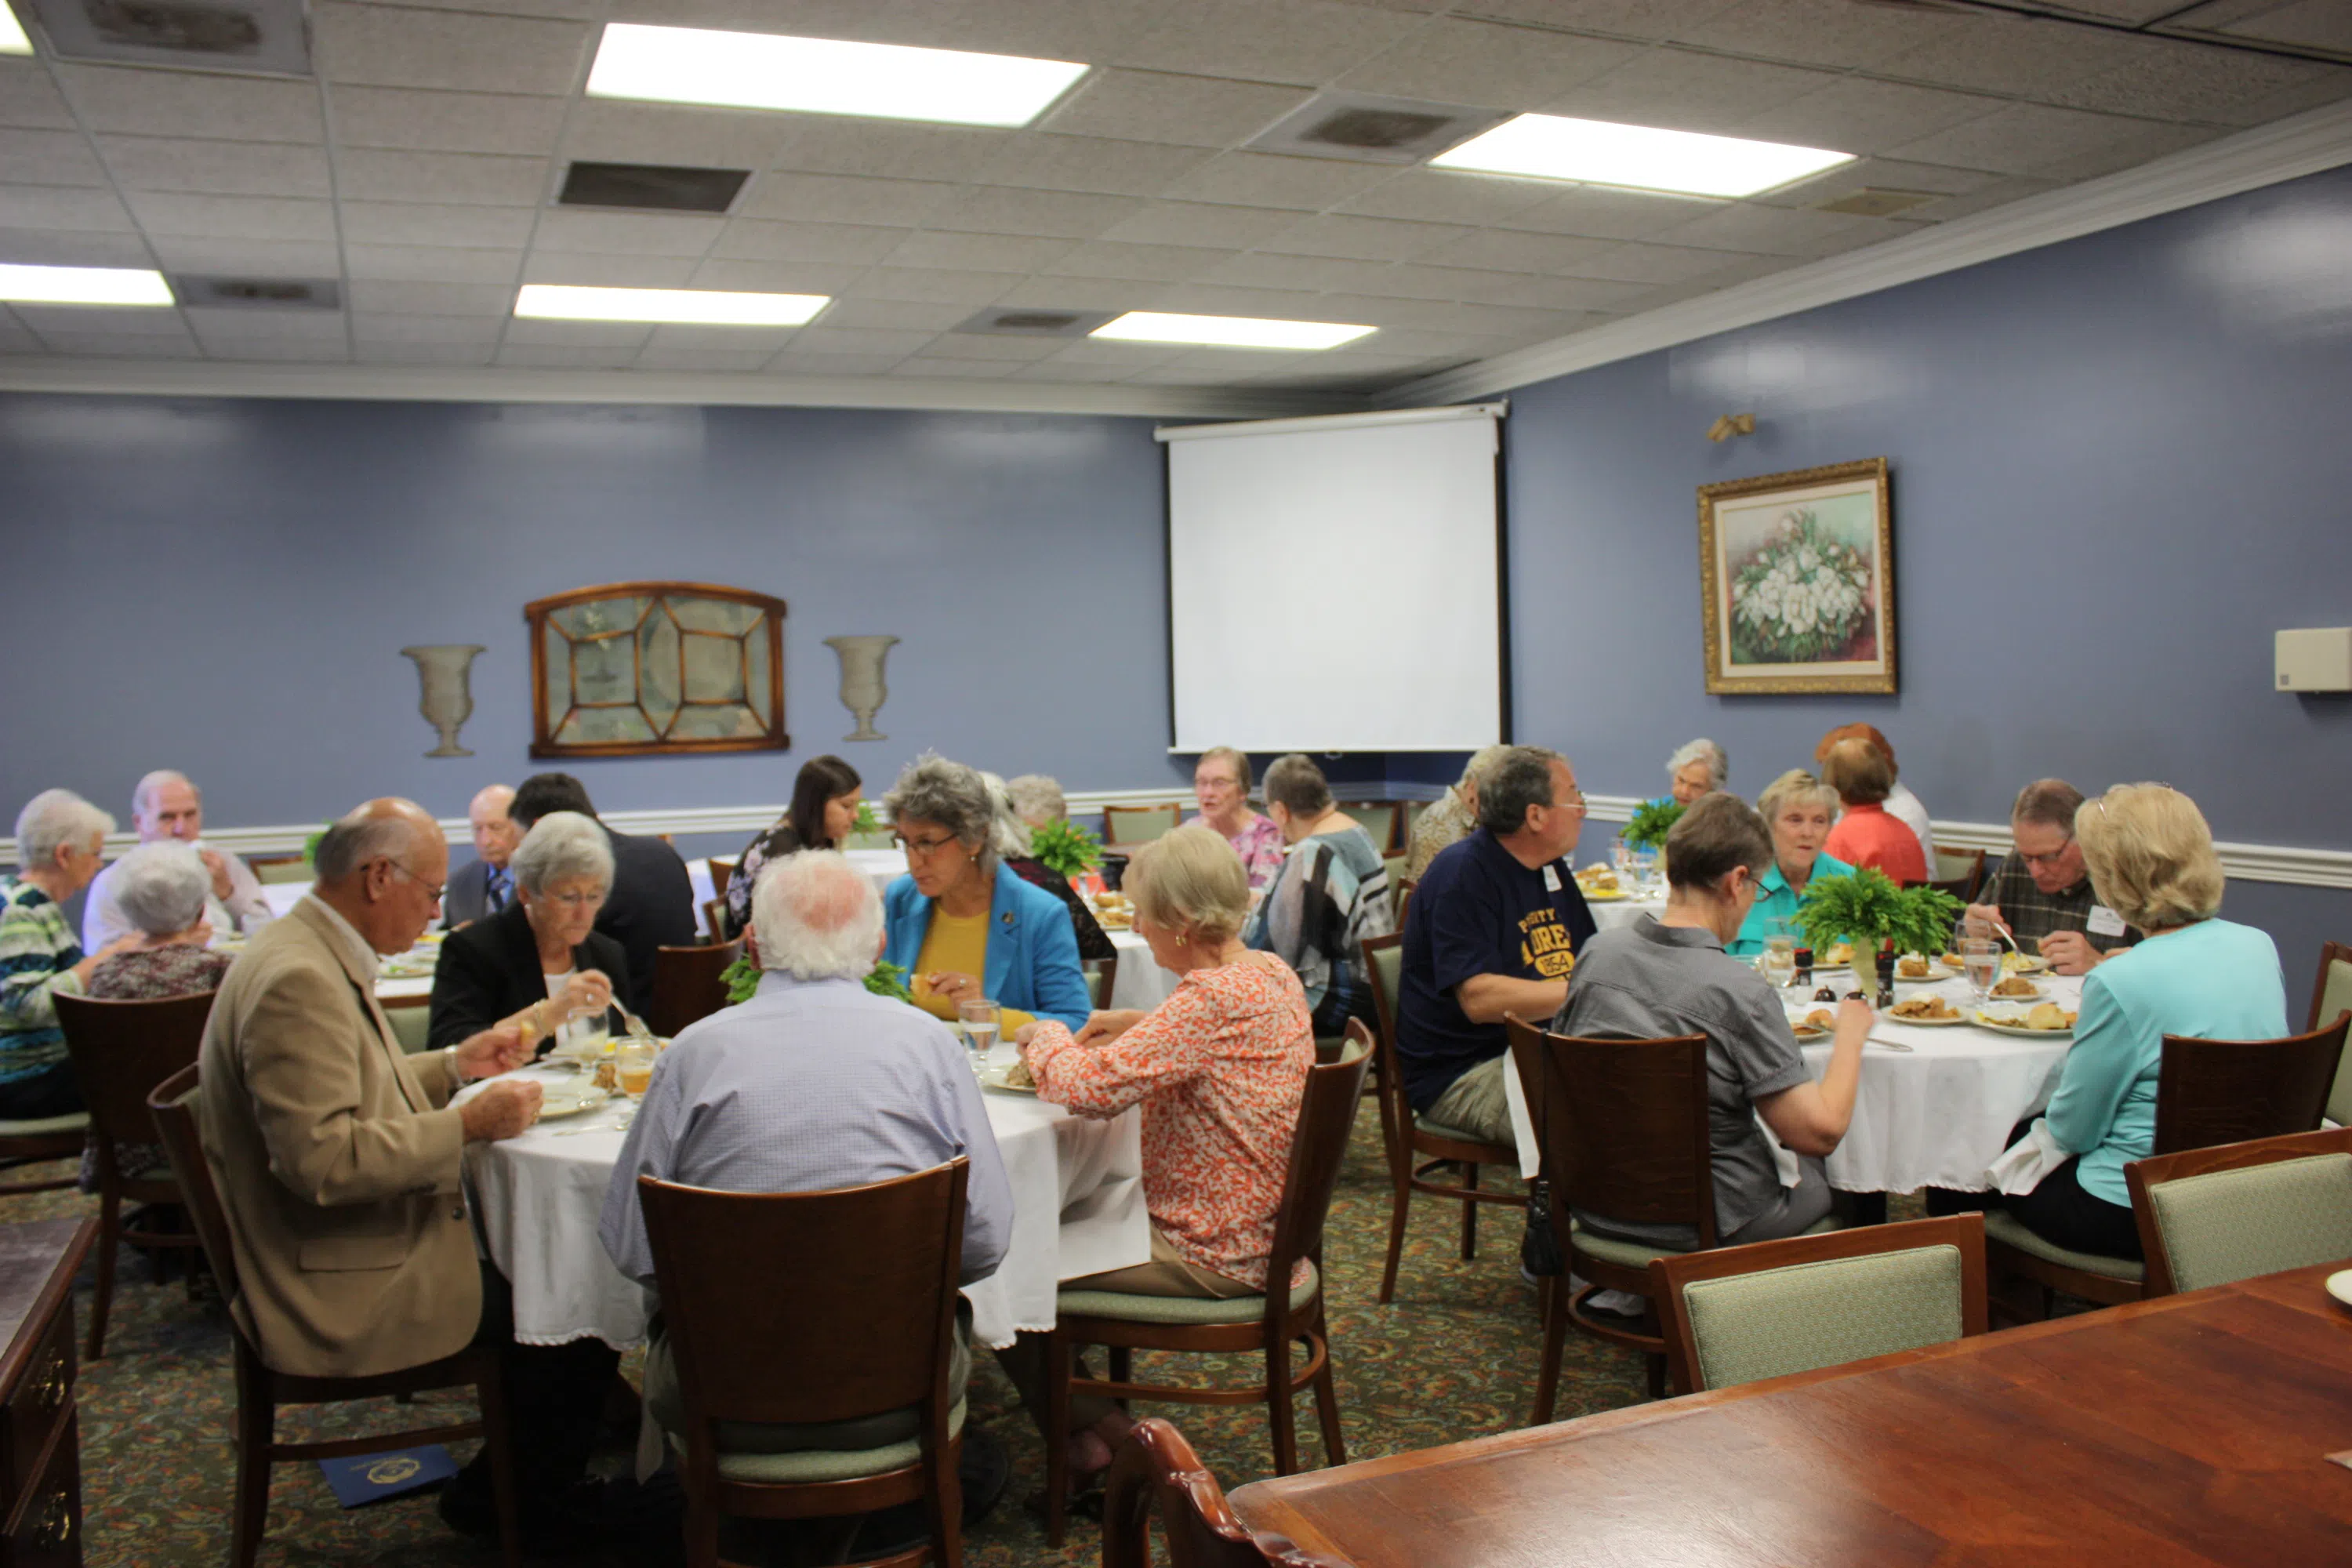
1417	1147
793	1308
1741	1314
2212	1216
1378	821
687	984
1393	865
1959	872
1623	1125
2331	997
1265	1325
122	1050
1155	1468
722	872
1102	981
39	1142
2207	1092
714	920
1132	825
260	1390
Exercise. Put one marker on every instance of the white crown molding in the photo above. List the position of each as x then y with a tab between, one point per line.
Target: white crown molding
1445	414
2279	863
410	383
2288	149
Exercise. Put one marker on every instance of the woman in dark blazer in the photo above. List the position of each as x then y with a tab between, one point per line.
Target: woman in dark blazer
537	963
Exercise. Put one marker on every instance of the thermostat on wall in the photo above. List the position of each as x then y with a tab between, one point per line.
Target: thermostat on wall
2316	659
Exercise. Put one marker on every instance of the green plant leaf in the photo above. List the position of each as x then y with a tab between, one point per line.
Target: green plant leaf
1065	849
1652	821
866	821
1867	908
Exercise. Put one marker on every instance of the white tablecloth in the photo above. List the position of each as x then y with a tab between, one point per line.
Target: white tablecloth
1608	914
1934	1115
1077	1208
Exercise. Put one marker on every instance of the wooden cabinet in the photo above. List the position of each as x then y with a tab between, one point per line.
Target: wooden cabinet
40	1440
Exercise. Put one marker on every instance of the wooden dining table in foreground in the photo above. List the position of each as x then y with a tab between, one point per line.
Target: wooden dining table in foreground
2187	1430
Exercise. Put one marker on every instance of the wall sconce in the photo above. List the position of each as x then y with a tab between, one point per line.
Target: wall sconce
1731	424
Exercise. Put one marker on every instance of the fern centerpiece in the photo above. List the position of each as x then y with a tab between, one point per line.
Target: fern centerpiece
1868	909
1065	849
866	821
741	978
1651	822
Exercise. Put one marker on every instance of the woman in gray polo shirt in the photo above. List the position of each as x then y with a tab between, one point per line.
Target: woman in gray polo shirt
1664	976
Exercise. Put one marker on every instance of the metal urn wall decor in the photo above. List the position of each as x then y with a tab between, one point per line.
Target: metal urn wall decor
445	690
635	669
863	690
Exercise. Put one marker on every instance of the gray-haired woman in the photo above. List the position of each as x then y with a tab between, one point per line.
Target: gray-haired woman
960	922
537	963
59	838
1698	767
162	889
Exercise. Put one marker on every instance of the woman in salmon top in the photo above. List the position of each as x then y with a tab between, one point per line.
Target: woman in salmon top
1219	1069
1866	835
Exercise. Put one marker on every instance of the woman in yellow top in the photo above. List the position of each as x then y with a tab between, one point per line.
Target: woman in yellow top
963	924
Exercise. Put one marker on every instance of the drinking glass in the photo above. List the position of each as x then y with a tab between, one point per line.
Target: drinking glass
1779	965
980	1020
1621	859
1645	867
635	1062
1981	958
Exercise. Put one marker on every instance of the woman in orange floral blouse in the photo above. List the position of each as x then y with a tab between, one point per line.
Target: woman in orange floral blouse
1219	1069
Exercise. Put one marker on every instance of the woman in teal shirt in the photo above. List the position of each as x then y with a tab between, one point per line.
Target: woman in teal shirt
1799	808
2152	861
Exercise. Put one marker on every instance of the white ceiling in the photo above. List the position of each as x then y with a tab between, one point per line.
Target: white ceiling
420	166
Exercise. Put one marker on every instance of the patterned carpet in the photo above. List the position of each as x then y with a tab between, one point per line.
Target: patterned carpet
1453	1357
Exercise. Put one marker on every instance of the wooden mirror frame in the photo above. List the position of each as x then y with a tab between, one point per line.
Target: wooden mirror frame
774	738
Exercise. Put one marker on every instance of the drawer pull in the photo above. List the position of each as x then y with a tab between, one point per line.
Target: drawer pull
57	1526
51	1391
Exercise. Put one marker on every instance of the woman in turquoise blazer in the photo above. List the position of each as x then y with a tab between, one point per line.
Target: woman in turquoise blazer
945	818
1799	808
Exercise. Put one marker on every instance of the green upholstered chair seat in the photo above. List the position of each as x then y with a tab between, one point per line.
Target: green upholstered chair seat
1638	1254
822	1464
2263	1219
1750	1327
46	1126
2008	1229
1439	1129
1178	1309
411	1026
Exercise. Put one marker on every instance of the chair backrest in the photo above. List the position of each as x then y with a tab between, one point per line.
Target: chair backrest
1623	1125
722	872
2331	997
714	920
2227	1091
1741	1314
802	1307
171	1107
1385	969
687	984
1138	824
1378	821
412	1023
122	1050
279	869
1326	1109
2208	1216
1394	865
1156	1469
1957	871
1102	981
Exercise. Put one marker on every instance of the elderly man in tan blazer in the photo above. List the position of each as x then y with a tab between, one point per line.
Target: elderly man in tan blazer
338	1157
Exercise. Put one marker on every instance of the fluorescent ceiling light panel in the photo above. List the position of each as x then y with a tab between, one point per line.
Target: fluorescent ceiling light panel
691	307
824	76
13	40
1552	147
1228	331
83	286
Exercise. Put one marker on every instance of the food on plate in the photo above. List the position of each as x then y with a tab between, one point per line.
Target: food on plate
2016	986
1838	952
1925	1009
1950	961
1017	1076
2049	1015
1598	878
1819	1021
2021	963
1912	967
606	1077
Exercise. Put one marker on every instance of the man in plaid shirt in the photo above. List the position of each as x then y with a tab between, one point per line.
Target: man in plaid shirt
2041	890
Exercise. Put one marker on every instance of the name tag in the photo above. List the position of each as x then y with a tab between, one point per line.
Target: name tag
1551	879
2104	922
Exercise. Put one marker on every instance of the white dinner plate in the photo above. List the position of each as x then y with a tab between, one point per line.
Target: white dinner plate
2022	963
1999	1025
2039	994
562	1099
1892	1016
2340	1285
995	1077
1601	895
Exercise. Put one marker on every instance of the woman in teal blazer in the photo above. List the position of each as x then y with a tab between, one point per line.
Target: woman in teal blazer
1799	808
1025	959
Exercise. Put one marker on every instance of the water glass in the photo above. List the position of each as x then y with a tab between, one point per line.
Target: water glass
980	1019
1645	867
1980	960
1621	859
1780	966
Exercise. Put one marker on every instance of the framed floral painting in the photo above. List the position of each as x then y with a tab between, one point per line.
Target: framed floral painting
1799	573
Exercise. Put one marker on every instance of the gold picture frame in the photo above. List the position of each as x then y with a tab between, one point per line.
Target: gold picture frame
1797	571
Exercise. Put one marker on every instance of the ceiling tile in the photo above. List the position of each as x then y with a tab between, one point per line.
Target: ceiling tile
735	339
1456	60
1364	238
1043	161
1167	263
603	129
814	365
887	149
1231	300
1658	264
1779	231
830	198
1855	114
1876	173
1999	192
559	356
1823	32
591	271
895	315
1652	19
1053	370
1197	223
296	350
1123	357
99	345
1451	196
580	10
379	298
61	206
1566	294
28	98
382	46
823	339
956	369
185	103
74	247
1681	89
385	352
1605	214
2316	24
432	264
1058	29
980	345
2023	139
1299	41
1064	293
213	328
999	209
16	340
365	174
50	158
220	168
704	360
234	217
1388	312
413	223
99	321
627	234
1418	282
630	335
774	276
1262	180
376	328
2186	81
445	122
1308	274
749	240
245	258
983	252
2145	145
1514	251
939	285
1995	58
1187	111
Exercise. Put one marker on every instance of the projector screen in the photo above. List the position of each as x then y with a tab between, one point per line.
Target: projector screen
1334	584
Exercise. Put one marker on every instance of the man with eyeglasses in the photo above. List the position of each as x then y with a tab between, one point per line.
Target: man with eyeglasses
2039	893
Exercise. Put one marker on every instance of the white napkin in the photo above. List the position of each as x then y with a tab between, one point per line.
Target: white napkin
2020	1168
1784	1160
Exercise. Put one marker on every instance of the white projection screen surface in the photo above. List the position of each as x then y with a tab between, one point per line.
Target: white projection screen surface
1333	586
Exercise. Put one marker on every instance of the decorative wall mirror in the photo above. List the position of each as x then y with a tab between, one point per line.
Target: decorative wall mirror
636	670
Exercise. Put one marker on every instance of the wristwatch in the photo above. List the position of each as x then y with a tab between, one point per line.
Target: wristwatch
449	1060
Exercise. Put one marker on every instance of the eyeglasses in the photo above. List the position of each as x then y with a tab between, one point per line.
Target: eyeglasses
1572	801
924	848
2055	855
436	889
576	900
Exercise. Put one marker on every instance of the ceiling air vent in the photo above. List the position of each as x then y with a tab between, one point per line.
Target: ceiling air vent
1873	202
1035	322
258	293
1370	129
651	188
264	38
